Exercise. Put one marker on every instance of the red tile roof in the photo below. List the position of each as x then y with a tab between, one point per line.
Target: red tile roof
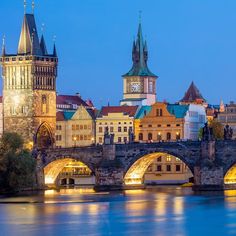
129	110
192	95
70	99
60	116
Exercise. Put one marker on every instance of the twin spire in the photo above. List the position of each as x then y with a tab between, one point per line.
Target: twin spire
29	43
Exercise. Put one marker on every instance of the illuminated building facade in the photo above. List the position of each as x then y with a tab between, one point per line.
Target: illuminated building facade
160	122
139	84
118	119
29	87
228	117
75	128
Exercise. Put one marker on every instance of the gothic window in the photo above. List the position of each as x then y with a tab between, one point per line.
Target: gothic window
150	87
44	104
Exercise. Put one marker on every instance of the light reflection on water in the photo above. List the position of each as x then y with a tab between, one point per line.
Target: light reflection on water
161	211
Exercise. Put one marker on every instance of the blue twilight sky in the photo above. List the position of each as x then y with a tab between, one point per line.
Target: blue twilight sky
188	40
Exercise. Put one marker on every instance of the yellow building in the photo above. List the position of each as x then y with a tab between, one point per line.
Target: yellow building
118	119
160	122
157	123
167	170
75	128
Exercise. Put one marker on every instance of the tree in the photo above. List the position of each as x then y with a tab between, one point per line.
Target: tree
17	167
218	129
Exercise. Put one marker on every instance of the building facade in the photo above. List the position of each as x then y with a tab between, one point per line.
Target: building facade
160	122
75	128
29	88
139	84
118	120
228	117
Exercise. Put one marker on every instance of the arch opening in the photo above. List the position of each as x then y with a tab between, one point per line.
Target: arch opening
158	166
44	137
230	176
68	172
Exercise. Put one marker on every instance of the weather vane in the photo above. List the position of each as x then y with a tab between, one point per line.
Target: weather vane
25	4
33	6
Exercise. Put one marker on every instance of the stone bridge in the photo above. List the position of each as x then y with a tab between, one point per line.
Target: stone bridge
121	165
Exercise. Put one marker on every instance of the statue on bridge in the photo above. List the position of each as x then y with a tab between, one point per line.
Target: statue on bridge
207	134
108	138
228	133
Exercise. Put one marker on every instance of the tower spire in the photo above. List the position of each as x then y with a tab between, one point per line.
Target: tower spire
54	47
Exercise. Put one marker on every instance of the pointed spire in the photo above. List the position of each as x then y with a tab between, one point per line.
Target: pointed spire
54	50
43	46
3	46
140	56
29	41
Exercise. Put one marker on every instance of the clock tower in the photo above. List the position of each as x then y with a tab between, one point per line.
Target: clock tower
139	84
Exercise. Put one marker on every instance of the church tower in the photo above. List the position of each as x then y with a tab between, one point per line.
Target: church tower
139	84
29	88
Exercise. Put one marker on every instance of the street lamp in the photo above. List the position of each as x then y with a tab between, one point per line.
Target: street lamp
92	140
74	141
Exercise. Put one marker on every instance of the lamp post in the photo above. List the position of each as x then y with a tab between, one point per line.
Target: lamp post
92	140
74	141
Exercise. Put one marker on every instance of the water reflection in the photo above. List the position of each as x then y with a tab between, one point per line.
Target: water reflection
162	211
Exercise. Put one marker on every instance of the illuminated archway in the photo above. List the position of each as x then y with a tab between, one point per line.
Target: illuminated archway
135	173
44	138
230	176
52	170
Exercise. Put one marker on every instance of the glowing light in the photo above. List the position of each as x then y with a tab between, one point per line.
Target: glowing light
230	177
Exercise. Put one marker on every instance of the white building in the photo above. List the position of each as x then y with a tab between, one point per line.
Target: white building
195	119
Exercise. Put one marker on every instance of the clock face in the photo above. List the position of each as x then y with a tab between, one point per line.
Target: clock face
135	87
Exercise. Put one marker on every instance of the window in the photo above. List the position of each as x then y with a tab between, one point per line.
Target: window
125	139
77	127
44	104
81	127
125	129
58	137
159	112
159	168
85	127
58	127
168	158
159	126
140	136
100	129
149	136
168	168
150	126
81	137
100	140
168	125
73	127
149	168
140	126
119	139
177	125
177	168
168	136
85	137
159	159
119	129
111	129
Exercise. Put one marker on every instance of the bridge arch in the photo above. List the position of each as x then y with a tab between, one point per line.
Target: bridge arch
230	174
135	171
54	168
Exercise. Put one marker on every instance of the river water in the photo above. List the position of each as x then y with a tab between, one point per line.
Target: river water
162	211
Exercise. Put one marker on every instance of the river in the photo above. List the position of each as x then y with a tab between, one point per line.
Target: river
162	211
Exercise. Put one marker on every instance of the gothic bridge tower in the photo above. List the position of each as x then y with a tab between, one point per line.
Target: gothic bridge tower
139	84
29	88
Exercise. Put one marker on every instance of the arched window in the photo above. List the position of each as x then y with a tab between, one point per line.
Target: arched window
44	104
149	136
168	136
140	136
